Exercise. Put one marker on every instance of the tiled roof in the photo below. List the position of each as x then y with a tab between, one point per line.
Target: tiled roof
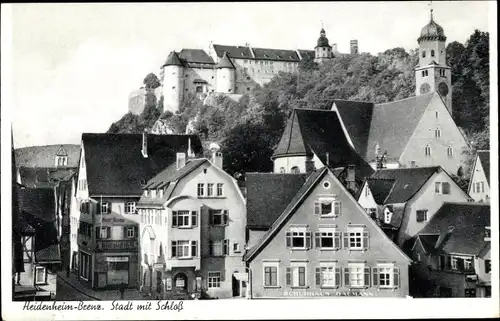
388	125
319	132
268	194
380	188
116	166
167	179
484	156
39	202
241	52
407	182
48	254
45	156
310	53
467	222
43	177
398	211
225	62
173	60
275	54
428	242
195	56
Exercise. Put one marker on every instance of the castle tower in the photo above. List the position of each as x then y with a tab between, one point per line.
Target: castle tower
323	49
225	75
432	73
173	82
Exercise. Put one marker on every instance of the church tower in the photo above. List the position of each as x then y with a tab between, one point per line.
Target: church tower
323	48
432	73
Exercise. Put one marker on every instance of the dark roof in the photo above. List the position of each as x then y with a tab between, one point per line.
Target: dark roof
380	188
319	132
39	202
115	164
432	31
45	156
388	125
225	62
166	178
467	222
195	56
310	53
407	182
484	156
44	177
241	52
275	54
172	60
48	254
268	194
428	242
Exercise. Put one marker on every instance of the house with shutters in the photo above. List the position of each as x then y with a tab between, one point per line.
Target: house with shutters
324	244
479	185
192	231
403	200
452	253
113	170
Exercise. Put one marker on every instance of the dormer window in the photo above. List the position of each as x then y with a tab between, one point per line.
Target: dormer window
62	160
153	193
146	193
160	192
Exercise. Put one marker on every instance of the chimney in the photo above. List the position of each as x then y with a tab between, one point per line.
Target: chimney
216	155
327	159
181	160
144	144
310	165
351	177
190	152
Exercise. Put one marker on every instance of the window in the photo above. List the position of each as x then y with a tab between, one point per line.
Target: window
437	114
356	238
40	275
437	132
372	212
328	275
298	238
470	293
216	248
487	266
199	89
432	53
184	219
219	217
270	274
367	191
84	266
423	53
130	207
427	150
214	279
482	187
282	170
356	275
296	275
327	238
295	170
103	208
184	249
153	193
220	191
201	189
104	232
478	187
210	189
327	207
130	231
467	264
442	188
387	216
421	215
449	151
236	248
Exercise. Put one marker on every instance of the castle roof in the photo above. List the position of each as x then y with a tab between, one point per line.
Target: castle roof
195	56
432	31
225	62
323	40
172	60
275	54
241	52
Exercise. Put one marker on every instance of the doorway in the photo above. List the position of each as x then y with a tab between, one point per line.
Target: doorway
236	286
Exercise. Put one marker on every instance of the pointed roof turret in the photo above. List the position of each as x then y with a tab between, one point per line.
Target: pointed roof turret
173	60
322	40
432	31
225	62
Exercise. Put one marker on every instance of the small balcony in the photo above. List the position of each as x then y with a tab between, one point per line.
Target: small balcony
116	245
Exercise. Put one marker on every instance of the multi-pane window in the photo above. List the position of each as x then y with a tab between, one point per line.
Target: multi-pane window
442	188
210	189
103	208
328	275
214	279
421	215
236	247
327	238
356	238
327	207
216	248
219	217
220	191
296	275
40	275
130	207
270	274
427	150
355	275
385	275
104	232
130	231
201	189
437	132
184	219
298	237
184	249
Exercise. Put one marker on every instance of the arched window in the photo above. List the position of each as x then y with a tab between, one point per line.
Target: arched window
437	114
295	170
427	150
282	170
432	53
423	53
450	151
437	132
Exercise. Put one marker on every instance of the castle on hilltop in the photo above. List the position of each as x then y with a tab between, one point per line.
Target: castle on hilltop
228	70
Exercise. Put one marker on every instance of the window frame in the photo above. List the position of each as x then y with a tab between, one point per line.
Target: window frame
210	189
271	265
220	188
44	270
130	208
361	267
130	228
214	279
297	275
333	273
425	217
200	190
390	272
181	244
176	219
364	234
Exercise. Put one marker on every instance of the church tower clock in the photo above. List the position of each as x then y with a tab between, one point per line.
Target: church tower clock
432	73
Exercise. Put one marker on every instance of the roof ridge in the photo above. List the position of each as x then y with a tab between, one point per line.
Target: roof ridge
313	109
408	98
355	101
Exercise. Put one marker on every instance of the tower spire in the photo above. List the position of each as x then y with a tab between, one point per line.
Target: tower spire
430	5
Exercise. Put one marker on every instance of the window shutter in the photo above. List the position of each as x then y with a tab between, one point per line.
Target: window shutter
346	277
125	232
288	239
317	240
211	216
446	188
225	249
396	277
174	218
346	240
194	218
174	249
336	240
136	231
318	276
288	273
317	208
108	232
222	275
194	248
365	240
225	217
367	277
375	277
308	240
210	247
337	276
97	234
337	208
98	208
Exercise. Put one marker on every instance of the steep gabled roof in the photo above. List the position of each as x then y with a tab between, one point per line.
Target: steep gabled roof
319	132
45	156
241	52
38	202
43	177
356	117
407	182
195	56
484	156
173	60
428	242
268	194
225	62
116	166
380	188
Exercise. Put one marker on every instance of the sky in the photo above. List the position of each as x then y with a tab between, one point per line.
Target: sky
73	66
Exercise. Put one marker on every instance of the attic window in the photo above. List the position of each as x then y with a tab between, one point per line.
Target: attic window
326	184
406	186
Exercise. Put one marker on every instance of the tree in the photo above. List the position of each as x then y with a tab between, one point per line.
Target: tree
151	81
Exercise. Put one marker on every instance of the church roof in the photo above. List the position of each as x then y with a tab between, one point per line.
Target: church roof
323	40
389	125
432	31
172	60
225	62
